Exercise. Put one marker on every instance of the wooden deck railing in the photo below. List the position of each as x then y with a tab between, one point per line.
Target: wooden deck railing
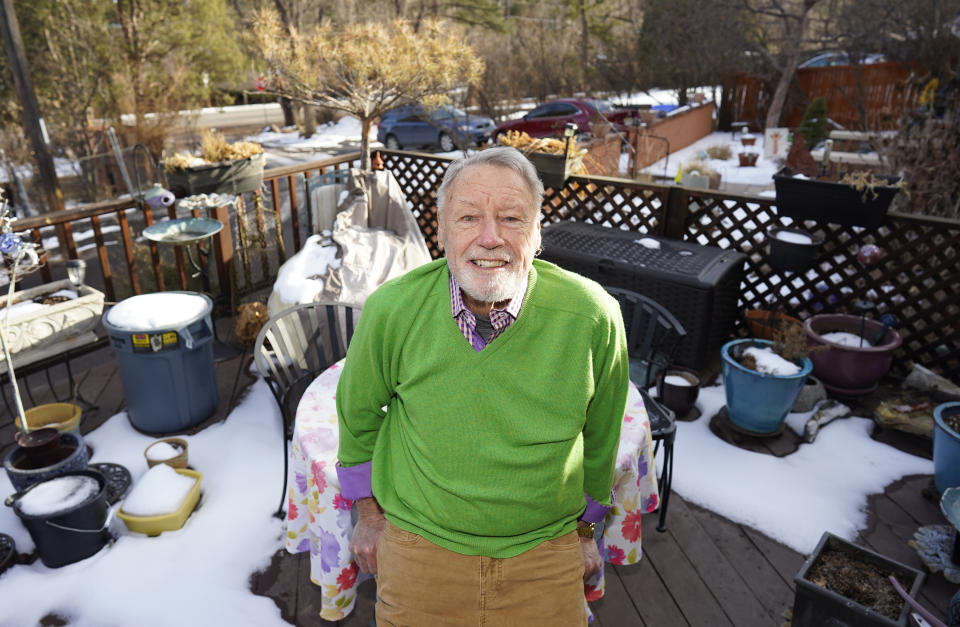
917	280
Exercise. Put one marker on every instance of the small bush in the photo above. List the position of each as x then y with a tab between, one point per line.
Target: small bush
720	151
814	126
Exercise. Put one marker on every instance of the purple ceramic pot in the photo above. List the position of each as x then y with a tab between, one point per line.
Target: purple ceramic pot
850	370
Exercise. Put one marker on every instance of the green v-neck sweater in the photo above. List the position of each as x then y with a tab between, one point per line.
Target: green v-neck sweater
490	452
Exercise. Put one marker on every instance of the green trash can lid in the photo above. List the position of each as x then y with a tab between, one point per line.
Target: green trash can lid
160	310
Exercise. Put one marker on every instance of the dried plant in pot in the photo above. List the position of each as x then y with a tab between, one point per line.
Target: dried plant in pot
222	168
845	584
764	323
857	199
763	378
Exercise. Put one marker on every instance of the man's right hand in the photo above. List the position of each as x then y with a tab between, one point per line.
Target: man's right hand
366	533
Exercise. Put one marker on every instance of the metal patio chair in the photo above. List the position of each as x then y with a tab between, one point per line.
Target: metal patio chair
653	335
295	346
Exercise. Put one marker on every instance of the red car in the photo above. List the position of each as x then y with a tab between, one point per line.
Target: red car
550	118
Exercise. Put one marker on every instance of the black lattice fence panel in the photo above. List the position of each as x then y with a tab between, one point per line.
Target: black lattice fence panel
616	204
419	176
917	279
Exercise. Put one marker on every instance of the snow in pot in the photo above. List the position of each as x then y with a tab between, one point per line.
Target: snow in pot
59	494
162	451
162	310
768	362
845	339
161	490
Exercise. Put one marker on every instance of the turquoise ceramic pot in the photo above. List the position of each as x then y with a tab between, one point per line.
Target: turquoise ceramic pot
757	402
946	448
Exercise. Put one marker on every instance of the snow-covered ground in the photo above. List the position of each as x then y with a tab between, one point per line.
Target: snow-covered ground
757	178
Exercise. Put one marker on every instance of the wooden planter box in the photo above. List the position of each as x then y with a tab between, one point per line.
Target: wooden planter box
815	606
823	201
225	177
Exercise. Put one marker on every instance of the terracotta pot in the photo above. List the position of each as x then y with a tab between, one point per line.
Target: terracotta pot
762	326
748	159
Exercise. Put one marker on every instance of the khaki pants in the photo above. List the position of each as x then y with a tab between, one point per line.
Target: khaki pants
420	584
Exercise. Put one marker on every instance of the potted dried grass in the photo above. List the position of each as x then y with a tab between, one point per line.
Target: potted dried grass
222	168
845	584
856	199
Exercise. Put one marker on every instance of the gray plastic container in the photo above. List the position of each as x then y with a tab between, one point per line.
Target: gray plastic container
168	377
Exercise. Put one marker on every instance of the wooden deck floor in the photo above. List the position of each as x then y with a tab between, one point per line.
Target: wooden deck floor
705	570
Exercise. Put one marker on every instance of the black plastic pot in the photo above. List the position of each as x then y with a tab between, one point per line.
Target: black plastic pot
816	606
792	256
837	203
553	169
72	534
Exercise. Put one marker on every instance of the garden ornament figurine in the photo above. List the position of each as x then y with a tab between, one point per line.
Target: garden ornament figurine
158	197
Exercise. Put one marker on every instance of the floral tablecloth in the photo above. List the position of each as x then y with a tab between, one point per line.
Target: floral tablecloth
319	518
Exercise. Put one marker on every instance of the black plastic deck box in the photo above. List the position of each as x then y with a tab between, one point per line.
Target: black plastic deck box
698	284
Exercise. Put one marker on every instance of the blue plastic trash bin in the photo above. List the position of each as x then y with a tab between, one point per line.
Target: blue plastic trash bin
164	347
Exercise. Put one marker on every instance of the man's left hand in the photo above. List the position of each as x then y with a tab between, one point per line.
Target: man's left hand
592	563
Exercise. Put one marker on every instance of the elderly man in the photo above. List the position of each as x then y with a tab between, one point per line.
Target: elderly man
480	408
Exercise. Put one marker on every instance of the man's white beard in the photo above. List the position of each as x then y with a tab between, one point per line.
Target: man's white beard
503	287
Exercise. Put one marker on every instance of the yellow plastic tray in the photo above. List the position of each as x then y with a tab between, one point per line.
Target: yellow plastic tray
155	525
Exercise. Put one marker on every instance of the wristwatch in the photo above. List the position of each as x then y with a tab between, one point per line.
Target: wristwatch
585	529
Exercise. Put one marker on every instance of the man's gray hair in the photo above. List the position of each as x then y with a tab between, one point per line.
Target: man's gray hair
500	156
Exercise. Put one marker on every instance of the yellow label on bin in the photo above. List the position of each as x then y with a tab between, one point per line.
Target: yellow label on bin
140	340
154	342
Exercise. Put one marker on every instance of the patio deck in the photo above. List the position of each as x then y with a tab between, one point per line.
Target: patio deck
705	570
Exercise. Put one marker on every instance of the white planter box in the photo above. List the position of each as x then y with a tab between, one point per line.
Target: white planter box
44	332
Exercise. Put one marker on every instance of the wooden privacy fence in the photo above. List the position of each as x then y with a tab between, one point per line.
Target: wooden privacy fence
861	97
917	280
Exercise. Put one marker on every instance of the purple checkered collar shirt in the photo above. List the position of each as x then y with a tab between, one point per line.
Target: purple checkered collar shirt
500	319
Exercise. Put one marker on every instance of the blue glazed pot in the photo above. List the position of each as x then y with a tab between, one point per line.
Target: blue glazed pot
24	477
757	402
946	448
